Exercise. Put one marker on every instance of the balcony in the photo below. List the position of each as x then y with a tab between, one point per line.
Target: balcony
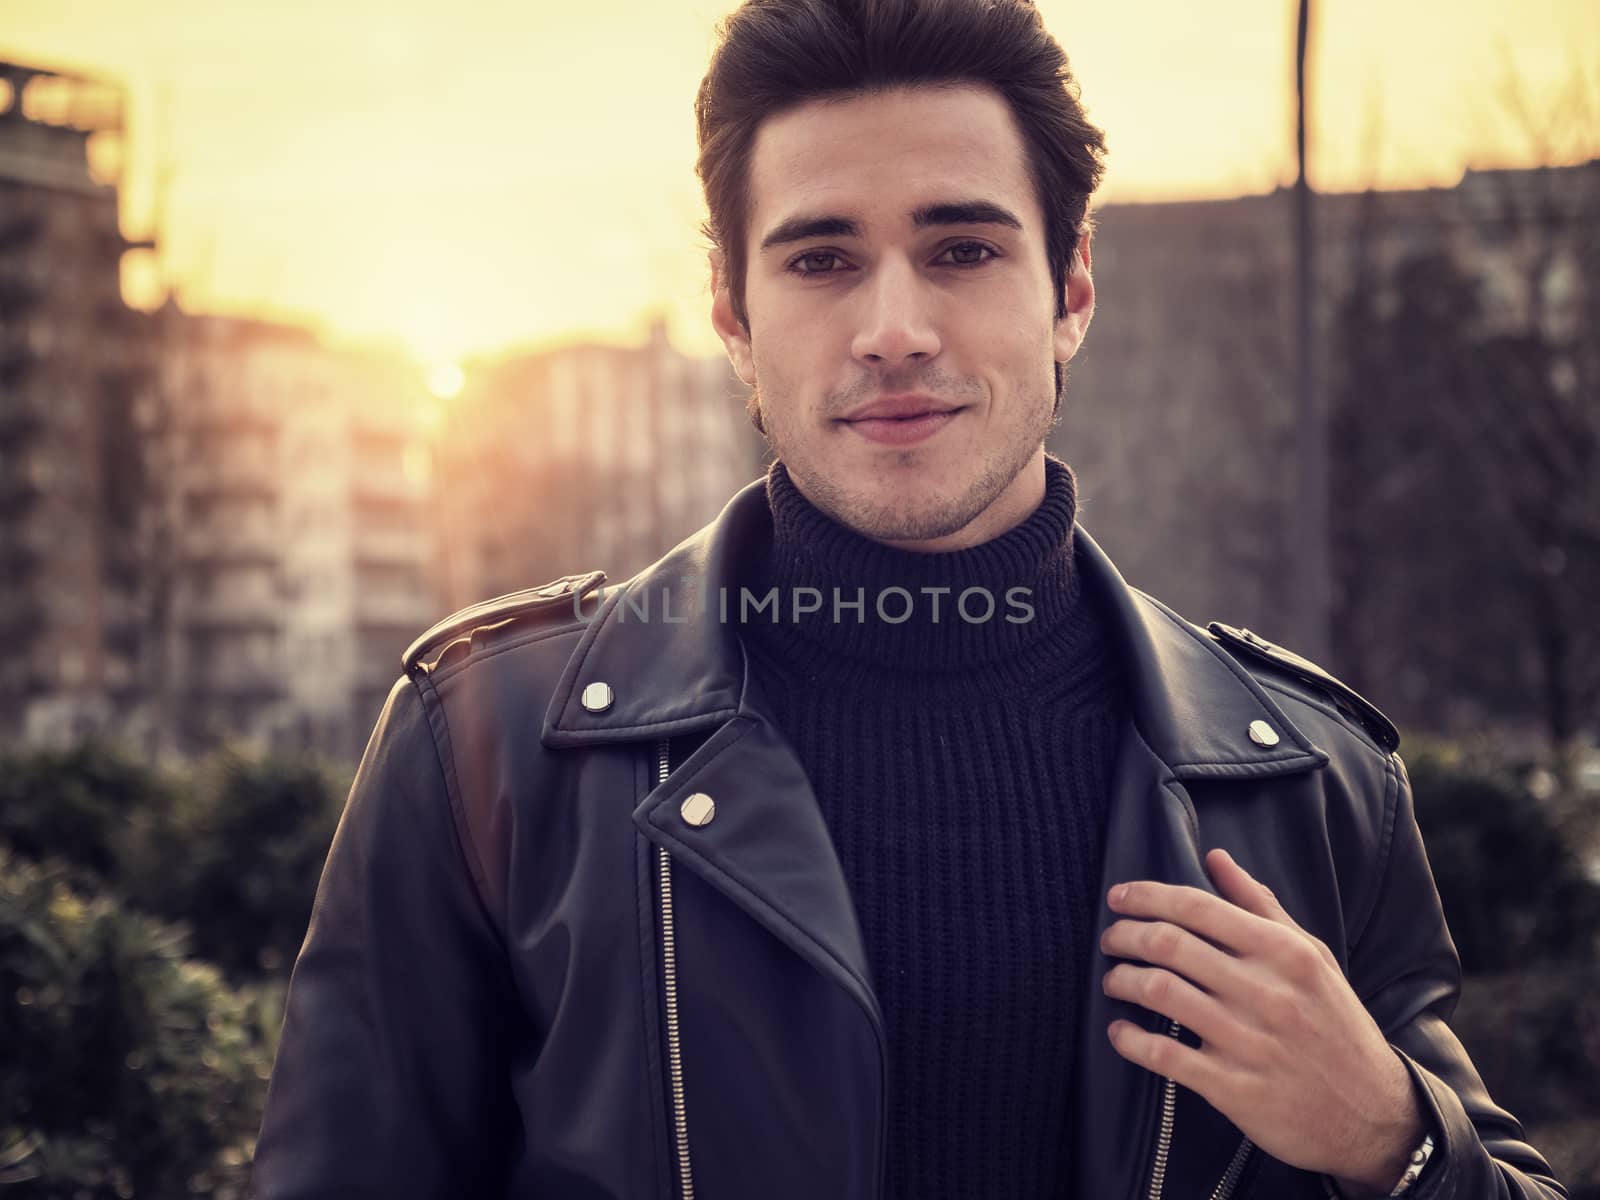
215	544
378	549
233	665
383	488
219	478
236	611
212	422
392	610
246	690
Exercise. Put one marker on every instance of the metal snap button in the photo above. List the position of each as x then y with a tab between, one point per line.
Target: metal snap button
597	697
1263	734
698	809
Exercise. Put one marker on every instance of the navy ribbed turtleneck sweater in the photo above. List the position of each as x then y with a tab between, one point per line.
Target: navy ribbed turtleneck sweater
962	767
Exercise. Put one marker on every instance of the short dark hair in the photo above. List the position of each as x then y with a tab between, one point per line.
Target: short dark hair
773	55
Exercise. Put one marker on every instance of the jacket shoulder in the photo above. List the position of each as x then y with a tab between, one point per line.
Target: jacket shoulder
1259	656
549	604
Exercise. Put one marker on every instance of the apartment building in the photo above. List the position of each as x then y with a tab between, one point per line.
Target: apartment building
300	558
76	374
1181	420
585	457
1180	412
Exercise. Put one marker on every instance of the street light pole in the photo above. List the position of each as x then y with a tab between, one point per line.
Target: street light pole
1313	573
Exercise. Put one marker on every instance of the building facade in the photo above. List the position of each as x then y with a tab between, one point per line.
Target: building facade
1181	420
296	521
76	370
581	458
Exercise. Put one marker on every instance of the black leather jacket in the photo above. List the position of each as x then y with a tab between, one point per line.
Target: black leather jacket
529	973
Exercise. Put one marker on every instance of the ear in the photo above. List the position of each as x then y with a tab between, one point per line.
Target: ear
735	337
1070	329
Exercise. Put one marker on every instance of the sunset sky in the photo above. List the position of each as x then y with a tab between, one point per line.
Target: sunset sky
468	176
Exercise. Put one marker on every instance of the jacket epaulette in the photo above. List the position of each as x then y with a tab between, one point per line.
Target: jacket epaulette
554	598
1354	706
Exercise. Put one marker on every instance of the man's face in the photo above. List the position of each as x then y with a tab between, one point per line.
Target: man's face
902	333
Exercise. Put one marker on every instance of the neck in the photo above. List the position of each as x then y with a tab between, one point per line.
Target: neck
1006	511
844	601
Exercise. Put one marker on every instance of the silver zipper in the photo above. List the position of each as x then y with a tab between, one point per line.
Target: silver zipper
1169	1112
1230	1178
669	977
669	972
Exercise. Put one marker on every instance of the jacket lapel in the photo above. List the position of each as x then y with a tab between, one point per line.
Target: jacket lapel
1192	712
766	847
1193	704
658	641
1150	834
674	666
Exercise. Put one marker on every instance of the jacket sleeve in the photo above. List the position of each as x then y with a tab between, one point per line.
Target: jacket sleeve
1405	968
390	1077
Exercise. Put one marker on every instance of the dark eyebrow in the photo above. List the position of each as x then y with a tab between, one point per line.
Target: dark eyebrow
798	229
967	212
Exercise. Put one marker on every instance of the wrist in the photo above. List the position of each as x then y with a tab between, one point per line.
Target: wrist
1403	1181
1380	1179
1392	1148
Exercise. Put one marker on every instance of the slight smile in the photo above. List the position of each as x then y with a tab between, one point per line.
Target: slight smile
901	420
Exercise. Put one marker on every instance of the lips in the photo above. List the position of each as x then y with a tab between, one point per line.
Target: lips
901	420
899	408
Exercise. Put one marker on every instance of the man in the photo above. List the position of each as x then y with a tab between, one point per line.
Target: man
879	840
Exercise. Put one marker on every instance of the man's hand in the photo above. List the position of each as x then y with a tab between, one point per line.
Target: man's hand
1288	1053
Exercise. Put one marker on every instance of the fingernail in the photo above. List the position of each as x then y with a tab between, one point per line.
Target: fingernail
1119	893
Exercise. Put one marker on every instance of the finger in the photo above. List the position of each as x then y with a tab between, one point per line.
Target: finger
1177	999
1171	946
1250	893
1244	889
1213	918
1165	1056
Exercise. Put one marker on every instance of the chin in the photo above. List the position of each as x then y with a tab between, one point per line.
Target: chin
893	516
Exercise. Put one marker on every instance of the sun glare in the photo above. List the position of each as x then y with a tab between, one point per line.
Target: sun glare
445	380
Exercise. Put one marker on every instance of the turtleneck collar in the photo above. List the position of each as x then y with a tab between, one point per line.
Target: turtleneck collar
991	608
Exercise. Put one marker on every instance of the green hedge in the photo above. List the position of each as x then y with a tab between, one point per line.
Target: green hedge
232	846
148	921
85	806
236	856
131	1069
1510	877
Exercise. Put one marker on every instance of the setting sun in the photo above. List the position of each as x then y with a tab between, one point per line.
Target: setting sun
445	381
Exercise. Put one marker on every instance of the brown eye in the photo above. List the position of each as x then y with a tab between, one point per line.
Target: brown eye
815	263
969	254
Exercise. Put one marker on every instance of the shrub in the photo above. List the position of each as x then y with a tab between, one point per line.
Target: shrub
238	858
1511	880
232	846
1534	1035
80	805
130	1070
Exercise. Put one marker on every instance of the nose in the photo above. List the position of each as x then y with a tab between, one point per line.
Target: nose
895	323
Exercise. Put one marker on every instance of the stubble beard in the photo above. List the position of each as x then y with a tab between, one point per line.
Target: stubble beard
917	521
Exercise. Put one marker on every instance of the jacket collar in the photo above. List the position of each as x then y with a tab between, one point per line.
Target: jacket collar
674	665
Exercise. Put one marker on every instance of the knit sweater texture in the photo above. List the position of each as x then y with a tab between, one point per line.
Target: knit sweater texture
960	743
